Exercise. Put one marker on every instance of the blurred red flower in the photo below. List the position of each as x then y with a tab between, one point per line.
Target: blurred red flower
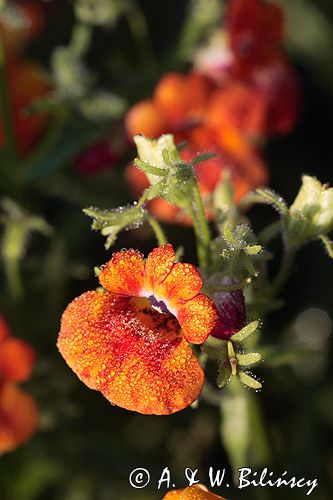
259	90
105	153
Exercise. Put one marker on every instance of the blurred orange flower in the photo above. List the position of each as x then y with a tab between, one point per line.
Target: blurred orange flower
131	341
196	492
184	105
18	411
26	82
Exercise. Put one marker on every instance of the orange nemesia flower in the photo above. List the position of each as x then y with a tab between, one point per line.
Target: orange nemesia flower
18	411
131	341
196	492
183	105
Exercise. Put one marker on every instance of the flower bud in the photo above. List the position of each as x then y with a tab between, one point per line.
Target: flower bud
311	214
160	153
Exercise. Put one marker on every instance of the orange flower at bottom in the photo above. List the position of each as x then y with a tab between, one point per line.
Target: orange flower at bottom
18	411
130	342
18	417
196	492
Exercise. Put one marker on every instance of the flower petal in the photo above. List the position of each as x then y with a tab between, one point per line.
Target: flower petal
131	353
4	328
232	312
182	283
124	273
197	318
18	417
145	118
158	265
196	492
16	360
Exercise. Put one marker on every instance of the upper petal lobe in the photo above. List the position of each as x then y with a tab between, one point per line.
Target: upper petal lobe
124	273
158	265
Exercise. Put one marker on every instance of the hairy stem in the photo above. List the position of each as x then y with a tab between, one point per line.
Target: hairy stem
157	228
286	268
12	271
201	227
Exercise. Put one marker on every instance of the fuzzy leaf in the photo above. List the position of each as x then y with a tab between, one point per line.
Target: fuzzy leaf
203	157
245	332
248	359
215	349
224	375
272	198
328	245
248	380
111	222
253	249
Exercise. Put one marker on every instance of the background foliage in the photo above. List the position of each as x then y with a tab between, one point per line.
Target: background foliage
85	449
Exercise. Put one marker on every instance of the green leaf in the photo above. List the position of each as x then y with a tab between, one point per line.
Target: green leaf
253	249
181	145
245	332
229	235
248	359
111	222
150	169
224	375
272	198
215	349
203	157
328	244
102	106
249	380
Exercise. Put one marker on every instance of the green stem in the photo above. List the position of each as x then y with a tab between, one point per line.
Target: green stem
200	248
157	228
270	232
201	227
262	196
12	272
288	262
